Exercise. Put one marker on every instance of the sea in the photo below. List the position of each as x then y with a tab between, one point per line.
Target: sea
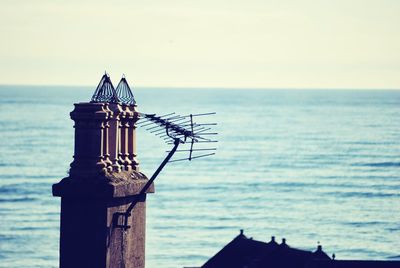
317	167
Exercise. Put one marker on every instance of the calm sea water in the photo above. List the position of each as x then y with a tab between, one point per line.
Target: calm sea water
309	166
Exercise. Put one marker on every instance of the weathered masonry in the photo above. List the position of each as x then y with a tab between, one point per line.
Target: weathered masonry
104	180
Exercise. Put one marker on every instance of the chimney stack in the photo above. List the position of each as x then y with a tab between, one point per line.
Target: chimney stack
103	182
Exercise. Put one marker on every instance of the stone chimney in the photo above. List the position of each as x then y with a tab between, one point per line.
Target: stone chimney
103	182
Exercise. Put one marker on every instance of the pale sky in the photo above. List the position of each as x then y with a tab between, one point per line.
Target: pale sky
203	43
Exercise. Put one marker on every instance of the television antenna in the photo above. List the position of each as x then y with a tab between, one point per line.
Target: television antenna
176	130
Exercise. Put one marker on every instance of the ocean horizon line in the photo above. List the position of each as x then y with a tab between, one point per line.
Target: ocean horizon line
210	88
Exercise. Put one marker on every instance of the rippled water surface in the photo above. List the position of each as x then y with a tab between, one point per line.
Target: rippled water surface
306	165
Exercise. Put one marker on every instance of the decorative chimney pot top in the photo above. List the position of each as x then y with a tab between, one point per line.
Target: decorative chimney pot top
105	91
124	92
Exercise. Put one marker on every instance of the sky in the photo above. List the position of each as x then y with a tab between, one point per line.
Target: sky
207	43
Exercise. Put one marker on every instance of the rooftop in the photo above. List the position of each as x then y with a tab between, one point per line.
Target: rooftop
244	252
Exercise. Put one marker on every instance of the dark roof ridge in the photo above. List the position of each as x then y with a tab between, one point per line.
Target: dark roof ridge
320	254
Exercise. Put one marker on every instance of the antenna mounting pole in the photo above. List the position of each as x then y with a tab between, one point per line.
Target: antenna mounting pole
127	213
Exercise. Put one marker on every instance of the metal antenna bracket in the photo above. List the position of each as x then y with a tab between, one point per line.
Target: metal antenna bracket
120	219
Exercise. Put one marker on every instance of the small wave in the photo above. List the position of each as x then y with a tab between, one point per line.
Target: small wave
22	190
30	228
378	164
396	257
366	223
22	199
363	194
393	229
217	227
370	142
4	237
290	184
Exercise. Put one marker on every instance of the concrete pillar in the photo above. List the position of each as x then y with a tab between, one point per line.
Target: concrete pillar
132	138
95	230
125	122
90	124
114	135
